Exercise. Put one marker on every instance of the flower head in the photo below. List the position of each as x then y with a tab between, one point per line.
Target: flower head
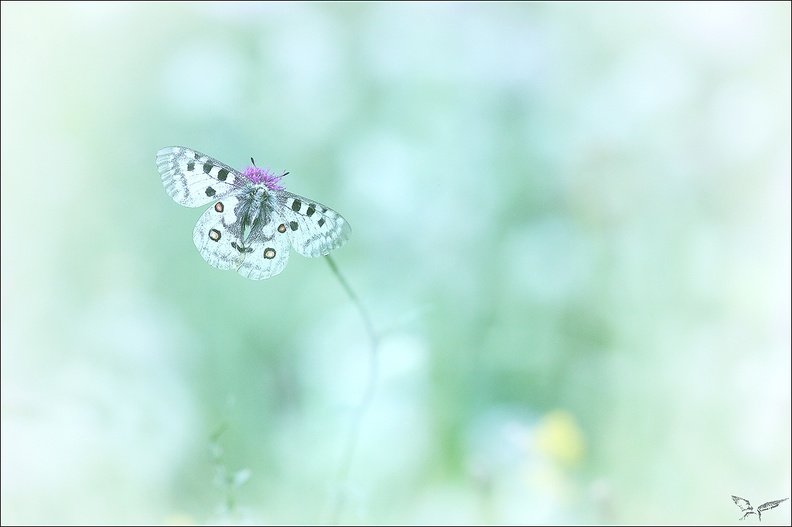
258	175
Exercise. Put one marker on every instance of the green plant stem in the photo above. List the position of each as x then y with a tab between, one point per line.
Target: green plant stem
357	418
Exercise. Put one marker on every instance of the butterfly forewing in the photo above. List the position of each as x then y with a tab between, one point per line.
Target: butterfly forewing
314	229
193	179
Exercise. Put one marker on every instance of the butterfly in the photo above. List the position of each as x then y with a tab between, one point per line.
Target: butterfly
745	506
253	220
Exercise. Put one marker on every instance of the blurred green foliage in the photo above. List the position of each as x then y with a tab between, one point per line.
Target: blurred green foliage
571	227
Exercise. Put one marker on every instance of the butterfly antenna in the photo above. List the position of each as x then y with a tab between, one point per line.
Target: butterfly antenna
254	163
368	395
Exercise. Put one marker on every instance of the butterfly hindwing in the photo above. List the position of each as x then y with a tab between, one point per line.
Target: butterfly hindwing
193	179
314	229
267	252
218	237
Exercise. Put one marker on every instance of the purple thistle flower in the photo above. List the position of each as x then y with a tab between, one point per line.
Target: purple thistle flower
258	175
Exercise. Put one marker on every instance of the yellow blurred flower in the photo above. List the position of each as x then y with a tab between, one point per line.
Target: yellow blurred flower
558	437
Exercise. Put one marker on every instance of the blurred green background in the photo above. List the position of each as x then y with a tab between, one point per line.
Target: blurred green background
571	228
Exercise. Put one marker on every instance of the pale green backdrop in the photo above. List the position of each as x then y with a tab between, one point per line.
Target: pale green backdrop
570	227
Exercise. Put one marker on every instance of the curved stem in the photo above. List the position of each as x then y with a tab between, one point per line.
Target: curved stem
368	395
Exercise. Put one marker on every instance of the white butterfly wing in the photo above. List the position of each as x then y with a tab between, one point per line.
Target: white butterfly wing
314	229
193	179
266	253
217	235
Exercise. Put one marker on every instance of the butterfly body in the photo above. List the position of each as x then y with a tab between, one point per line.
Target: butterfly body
253	220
